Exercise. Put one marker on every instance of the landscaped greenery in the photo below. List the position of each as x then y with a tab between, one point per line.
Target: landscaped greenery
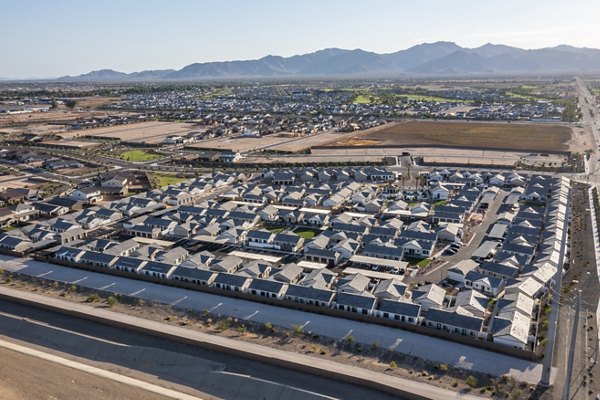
274	228
307	233
161	180
9	228
418	262
365	99
138	155
439	203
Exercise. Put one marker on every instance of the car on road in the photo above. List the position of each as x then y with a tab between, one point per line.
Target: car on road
450	251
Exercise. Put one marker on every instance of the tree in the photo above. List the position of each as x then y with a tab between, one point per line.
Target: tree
70	103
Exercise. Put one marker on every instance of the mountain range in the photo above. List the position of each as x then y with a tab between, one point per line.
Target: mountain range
428	59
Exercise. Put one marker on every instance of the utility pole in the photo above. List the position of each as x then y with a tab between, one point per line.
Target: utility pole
569	371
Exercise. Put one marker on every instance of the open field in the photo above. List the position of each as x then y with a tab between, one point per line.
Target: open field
243	144
308	142
38	129
16	182
162	180
138	156
518	136
95	101
142	132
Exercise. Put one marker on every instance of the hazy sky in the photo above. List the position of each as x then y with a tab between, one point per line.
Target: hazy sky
42	38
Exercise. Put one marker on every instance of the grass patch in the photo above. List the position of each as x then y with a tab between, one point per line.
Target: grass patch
138	155
365	99
439	203
274	228
419	262
161	180
9	228
307	233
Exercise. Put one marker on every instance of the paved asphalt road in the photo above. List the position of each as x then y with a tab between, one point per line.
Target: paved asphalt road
405	342
204	371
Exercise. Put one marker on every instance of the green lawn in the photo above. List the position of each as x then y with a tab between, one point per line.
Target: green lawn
365	99
274	228
138	155
161	180
307	233
421	263
9	228
439	203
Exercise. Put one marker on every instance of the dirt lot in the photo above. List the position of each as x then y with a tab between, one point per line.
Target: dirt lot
518	136
243	144
143	132
95	101
308	142
24	377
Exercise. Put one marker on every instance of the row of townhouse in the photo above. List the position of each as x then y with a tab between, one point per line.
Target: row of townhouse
523	269
476	178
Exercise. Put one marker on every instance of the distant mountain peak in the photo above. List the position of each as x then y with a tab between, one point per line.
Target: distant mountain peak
437	58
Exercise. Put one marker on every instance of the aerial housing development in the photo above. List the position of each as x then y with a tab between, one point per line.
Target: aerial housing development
382	223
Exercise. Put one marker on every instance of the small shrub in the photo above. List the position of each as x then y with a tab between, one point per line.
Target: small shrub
297	329
454	384
223	325
141	302
314	348
112	301
92	298
73	288
242	330
349	339
444	367
268	326
471	381
393	364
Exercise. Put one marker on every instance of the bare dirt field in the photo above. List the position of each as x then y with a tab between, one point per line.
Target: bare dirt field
243	144
308	142
95	101
518	136
143	132
14	182
39	129
23	377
